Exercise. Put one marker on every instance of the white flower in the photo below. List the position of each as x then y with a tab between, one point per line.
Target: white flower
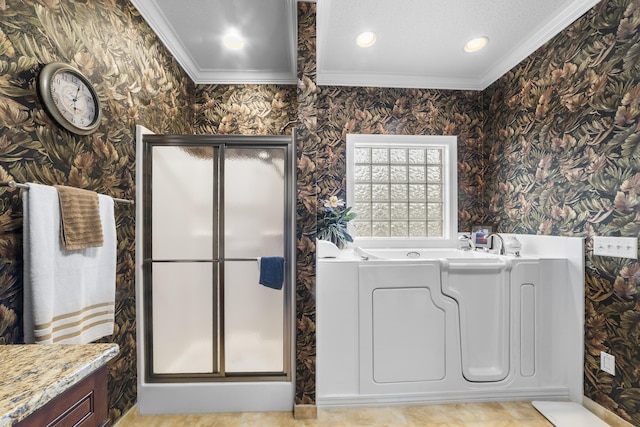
333	202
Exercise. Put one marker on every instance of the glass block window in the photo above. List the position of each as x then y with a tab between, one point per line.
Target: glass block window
401	186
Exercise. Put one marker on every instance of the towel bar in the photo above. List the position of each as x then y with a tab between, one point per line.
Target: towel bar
14	184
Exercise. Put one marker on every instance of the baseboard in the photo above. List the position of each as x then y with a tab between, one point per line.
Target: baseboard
305	412
603	413
442	397
127	417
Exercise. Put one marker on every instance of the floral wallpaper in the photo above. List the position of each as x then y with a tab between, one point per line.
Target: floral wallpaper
308	142
245	109
138	82
563	134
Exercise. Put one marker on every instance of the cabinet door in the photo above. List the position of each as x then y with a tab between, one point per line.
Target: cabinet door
83	405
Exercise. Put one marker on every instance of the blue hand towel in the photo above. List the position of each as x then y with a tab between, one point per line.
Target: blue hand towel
272	272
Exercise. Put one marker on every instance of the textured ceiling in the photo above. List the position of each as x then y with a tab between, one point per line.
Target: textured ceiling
193	30
419	43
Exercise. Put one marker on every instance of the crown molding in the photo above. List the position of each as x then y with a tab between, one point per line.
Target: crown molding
395	80
243	77
163	29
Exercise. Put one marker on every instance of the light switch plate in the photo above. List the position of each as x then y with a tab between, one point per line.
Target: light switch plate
608	363
620	247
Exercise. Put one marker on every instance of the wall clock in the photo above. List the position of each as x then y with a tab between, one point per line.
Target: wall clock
69	98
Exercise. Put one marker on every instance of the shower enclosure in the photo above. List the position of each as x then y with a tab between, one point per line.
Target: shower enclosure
212	207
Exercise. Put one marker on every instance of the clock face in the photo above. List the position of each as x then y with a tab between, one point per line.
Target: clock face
74	99
69	98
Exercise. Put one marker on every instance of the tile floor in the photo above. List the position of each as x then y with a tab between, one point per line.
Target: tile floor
502	414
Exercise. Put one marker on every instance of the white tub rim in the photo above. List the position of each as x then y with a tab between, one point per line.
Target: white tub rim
415	254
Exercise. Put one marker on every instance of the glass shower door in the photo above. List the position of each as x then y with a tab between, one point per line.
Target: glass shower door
184	259
254	227
215	208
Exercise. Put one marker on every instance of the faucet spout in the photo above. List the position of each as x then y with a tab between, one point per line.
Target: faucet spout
490	241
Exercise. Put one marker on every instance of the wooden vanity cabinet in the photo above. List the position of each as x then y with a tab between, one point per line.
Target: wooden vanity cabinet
83	405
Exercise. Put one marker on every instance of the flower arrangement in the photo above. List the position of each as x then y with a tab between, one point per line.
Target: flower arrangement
333	218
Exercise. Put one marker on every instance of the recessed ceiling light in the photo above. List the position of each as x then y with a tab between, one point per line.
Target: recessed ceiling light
233	40
366	39
476	44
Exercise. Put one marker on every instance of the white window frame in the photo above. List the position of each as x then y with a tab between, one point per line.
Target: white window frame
449	145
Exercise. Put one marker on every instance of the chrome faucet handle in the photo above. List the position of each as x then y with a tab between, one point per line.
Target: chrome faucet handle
466	243
490	239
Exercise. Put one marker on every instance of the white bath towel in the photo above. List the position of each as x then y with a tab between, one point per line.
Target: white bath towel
68	295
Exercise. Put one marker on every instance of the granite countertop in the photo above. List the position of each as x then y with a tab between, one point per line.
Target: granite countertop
33	374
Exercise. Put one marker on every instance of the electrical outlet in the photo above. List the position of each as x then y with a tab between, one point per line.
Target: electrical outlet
620	247
608	363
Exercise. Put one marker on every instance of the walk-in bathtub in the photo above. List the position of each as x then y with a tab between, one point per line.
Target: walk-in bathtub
408	326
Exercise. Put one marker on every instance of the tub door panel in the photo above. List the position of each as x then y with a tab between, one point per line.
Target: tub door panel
482	293
406	328
408	335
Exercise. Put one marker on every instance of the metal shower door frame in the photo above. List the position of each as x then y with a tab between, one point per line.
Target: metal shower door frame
219	143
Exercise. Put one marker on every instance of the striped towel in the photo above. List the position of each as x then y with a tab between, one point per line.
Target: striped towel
69	296
80	218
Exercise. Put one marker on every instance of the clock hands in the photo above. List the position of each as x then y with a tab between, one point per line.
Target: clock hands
75	99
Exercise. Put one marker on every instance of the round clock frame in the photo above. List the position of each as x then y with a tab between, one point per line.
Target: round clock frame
69	98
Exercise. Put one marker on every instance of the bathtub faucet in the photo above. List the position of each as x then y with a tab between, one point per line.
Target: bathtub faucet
466	243
490	241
